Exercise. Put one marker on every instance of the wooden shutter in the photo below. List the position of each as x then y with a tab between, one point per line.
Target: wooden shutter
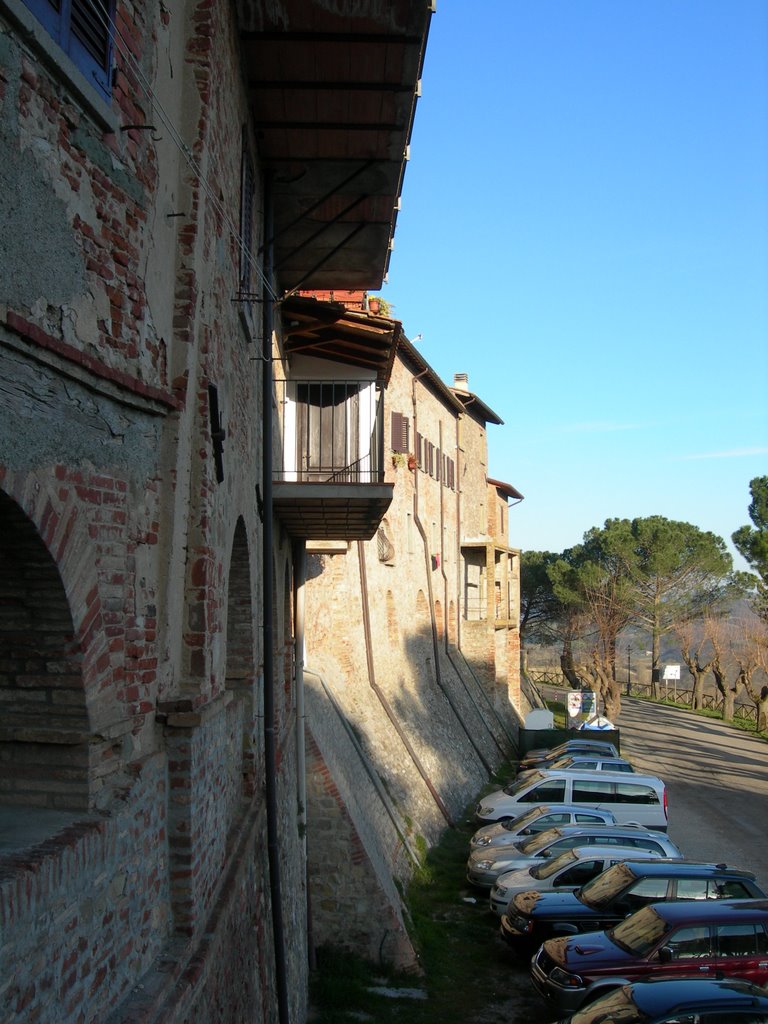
399	432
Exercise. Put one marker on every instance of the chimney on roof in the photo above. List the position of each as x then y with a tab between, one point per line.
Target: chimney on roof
461	381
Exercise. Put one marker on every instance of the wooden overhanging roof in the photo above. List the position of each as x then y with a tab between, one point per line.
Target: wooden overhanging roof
508	489
333	89
328	330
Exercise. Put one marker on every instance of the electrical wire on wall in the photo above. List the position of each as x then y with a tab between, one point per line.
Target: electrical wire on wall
123	48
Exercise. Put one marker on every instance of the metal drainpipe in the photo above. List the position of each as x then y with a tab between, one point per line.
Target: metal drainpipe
300	579
382	699
270	745
428	564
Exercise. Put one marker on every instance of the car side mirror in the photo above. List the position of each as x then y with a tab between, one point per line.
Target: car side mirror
665	955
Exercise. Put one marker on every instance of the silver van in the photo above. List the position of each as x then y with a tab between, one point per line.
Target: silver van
633	799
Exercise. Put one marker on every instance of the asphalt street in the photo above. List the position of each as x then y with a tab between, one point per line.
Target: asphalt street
717	782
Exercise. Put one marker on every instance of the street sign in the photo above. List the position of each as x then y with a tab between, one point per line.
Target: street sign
574	703
588	702
671	671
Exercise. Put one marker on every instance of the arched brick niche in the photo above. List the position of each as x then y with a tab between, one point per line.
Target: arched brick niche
44	726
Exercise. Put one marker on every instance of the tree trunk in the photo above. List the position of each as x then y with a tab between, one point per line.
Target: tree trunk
567	666
697	699
612	700
762	711
729	700
655	651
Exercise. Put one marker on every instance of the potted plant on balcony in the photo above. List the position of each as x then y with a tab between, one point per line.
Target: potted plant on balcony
399	459
379	306
412	463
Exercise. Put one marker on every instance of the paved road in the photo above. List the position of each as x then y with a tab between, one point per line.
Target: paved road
717	782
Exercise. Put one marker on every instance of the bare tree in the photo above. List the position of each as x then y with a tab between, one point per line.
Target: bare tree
729	680
694	642
750	653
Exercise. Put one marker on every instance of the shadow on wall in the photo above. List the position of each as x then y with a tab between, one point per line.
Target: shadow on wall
433	737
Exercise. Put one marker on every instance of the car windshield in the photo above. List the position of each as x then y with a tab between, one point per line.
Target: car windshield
560	763
547	868
639	932
519	823
520	784
605	887
616	1007
532	844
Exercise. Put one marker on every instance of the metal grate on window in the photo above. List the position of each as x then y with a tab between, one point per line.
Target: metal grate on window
90	24
384	547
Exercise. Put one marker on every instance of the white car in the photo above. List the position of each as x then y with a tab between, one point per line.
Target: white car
537	819
633	798
485	866
572	746
570	870
582	763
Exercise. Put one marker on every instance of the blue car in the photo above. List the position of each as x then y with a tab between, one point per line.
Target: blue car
679	1001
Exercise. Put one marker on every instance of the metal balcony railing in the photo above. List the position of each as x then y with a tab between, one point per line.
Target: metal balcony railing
332	431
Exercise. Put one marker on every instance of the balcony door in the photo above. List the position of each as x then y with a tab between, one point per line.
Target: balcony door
328	439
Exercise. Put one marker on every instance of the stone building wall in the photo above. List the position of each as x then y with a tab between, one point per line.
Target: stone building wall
427	718
133	873
356	836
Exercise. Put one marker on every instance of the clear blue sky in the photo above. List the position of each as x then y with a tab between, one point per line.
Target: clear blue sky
584	232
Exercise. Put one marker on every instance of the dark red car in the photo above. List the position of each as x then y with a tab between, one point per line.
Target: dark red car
708	938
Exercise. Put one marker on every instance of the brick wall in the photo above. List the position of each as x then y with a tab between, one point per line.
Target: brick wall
98	891
131	574
350	881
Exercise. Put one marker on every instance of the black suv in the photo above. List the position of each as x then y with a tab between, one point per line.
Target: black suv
534	916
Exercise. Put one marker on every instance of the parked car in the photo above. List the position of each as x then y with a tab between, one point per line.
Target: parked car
537	819
683	1001
567	871
485	866
582	762
535	915
586	746
634	798
675	938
